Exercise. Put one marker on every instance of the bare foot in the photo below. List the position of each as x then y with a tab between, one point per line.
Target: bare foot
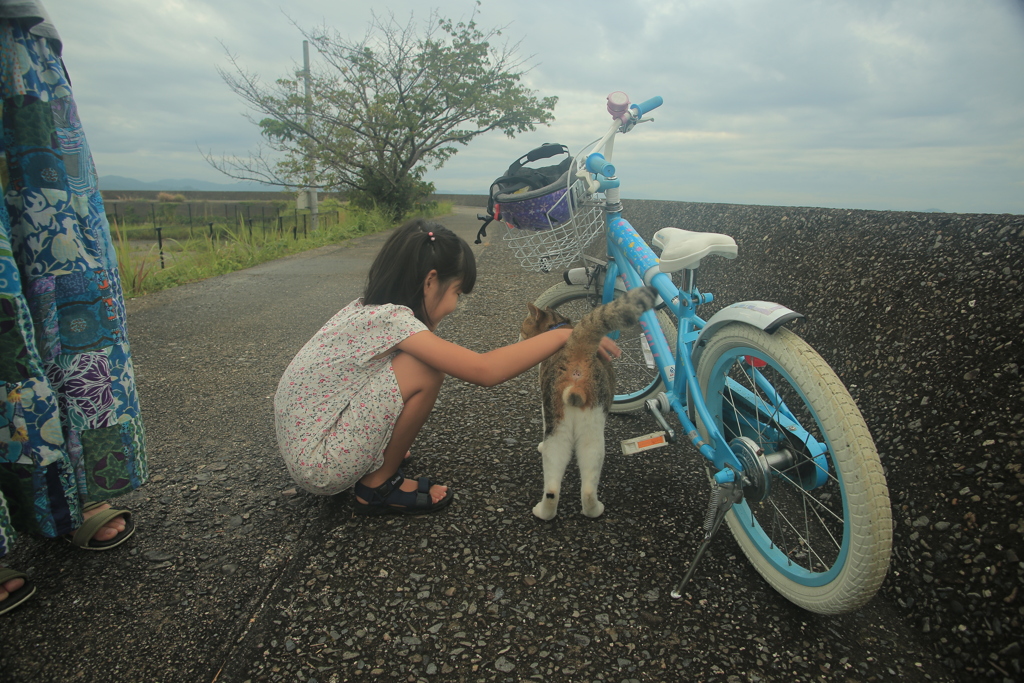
7	588
108	530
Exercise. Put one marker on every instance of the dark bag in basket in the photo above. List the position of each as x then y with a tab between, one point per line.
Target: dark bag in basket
534	198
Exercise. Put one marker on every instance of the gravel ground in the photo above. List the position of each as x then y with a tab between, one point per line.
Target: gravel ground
236	576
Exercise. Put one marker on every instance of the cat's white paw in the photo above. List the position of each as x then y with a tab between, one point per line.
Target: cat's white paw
595	508
546	509
540	447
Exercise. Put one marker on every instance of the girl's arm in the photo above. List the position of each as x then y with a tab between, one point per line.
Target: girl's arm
484	369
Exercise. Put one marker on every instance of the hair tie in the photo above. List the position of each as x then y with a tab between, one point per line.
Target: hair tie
431	236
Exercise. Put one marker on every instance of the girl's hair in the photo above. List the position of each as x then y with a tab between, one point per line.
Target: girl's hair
413	250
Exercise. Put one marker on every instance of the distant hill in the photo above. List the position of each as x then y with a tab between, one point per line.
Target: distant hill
116	182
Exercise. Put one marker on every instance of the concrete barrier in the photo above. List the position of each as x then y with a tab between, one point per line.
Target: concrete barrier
922	315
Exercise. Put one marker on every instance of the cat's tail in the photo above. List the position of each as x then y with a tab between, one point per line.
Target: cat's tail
622	312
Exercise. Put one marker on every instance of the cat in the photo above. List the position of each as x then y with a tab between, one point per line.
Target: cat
577	388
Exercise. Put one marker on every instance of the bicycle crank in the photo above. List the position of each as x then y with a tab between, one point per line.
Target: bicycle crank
657	407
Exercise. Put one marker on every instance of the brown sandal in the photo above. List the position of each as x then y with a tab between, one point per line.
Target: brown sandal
83	535
15	597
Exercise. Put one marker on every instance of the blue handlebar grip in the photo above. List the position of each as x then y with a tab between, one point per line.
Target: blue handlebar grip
597	164
648	105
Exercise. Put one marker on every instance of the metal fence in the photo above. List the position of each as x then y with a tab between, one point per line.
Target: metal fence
203	219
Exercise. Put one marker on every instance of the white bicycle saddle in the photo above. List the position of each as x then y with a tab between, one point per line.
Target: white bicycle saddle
684	249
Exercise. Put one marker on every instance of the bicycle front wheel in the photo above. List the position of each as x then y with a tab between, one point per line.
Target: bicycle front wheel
636	375
815	520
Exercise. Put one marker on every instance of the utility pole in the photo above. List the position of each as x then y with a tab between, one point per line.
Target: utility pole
311	191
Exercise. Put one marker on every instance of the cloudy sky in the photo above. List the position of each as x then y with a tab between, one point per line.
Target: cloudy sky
872	104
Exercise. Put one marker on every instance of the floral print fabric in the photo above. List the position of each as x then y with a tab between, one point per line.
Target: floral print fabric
71	430
337	402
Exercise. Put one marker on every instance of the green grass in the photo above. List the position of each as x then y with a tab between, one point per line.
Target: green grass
230	248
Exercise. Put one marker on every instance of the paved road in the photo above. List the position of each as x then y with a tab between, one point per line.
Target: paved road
236	576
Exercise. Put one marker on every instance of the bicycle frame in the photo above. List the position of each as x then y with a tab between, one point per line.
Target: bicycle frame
677	370
632	259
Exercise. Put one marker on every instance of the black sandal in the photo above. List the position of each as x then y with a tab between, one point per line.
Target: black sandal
390	499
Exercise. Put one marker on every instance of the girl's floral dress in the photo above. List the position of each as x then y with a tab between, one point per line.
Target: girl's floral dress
337	402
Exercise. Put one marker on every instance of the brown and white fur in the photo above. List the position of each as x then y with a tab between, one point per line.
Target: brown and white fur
577	388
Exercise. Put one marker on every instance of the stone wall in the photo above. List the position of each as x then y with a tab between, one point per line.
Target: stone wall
922	315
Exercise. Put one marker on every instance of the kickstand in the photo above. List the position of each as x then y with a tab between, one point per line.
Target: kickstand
723	497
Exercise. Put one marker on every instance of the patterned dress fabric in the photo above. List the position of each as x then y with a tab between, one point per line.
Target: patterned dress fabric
71	431
337	402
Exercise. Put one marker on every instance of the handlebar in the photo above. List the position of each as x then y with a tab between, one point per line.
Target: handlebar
596	163
648	105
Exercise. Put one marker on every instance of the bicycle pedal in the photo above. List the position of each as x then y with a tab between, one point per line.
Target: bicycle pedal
644	443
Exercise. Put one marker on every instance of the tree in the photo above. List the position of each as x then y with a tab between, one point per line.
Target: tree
385	109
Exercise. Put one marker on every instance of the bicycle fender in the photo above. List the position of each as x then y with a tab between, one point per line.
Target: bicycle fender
764	315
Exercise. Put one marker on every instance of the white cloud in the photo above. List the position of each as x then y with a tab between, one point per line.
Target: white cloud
905	104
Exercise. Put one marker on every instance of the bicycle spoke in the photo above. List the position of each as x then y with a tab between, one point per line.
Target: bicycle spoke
798	513
802	537
818	505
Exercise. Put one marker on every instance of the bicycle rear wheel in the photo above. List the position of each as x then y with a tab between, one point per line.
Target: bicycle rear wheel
815	520
636	377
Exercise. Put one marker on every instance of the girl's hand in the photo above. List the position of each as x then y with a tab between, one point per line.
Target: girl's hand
608	349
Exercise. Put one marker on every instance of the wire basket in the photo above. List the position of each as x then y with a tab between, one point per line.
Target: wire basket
546	250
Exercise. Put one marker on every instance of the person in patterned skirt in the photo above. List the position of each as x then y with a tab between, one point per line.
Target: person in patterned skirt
71	432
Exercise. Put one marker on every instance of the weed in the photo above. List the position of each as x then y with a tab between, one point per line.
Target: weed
134	269
226	248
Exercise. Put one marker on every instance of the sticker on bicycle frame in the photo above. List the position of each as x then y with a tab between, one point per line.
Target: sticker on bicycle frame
644	443
648	354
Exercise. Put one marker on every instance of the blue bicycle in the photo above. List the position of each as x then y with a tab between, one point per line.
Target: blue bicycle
793	469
